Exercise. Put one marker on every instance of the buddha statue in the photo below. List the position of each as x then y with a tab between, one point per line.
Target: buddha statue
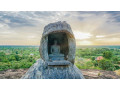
55	52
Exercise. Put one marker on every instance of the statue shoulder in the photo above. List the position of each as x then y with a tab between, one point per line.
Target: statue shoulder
53	46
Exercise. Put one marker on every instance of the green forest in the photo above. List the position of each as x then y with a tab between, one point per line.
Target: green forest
16	57
86	58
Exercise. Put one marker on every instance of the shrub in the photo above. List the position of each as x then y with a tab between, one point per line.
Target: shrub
3	57
86	65
95	62
4	66
17	57
30	59
15	65
107	54
12	57
115	60
106	64
92	58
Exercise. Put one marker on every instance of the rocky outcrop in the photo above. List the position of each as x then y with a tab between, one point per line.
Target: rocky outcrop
99	74
40	70
45	68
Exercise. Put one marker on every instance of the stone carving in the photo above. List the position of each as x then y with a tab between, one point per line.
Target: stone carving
57	51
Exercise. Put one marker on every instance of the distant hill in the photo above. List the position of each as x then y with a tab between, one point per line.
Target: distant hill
78	46
99	46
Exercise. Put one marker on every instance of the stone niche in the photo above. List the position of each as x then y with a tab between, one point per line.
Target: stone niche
63	51
62	41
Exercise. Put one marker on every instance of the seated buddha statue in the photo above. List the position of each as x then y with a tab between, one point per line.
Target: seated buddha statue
55	52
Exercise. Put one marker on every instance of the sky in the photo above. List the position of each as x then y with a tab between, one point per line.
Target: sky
89	27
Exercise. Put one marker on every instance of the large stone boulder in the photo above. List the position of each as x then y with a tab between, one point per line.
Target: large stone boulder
40	70
57	68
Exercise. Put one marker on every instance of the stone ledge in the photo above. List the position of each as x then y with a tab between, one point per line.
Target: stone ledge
59	63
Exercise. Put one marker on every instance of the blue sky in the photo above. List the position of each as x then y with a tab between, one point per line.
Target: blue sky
89	28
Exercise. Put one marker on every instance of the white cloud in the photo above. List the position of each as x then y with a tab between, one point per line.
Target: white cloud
100	36
92	27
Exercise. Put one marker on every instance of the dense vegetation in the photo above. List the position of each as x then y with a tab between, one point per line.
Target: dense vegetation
15	57
86	58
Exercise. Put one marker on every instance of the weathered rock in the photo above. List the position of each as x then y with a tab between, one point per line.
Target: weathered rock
40	70
12	73
99	74
45	68
63	31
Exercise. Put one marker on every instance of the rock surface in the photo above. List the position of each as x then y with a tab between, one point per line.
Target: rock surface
40	70
99	74
12	73
88	74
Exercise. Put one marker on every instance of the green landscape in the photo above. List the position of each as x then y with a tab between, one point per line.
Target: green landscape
15	57
86	58
21	57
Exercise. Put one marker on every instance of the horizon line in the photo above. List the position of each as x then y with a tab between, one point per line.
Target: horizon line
76	45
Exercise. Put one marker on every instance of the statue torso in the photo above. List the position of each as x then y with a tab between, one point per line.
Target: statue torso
55	49
55	53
